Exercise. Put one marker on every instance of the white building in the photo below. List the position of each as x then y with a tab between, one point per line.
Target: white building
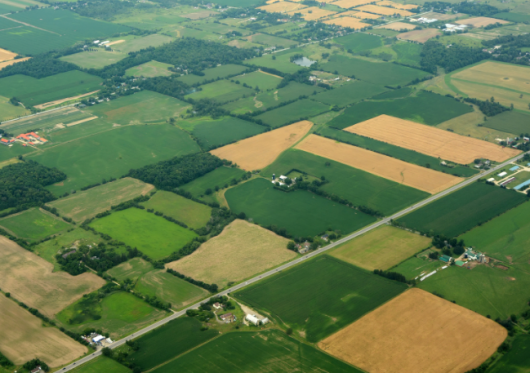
255	320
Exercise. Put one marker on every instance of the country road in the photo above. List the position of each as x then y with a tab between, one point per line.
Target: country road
297	261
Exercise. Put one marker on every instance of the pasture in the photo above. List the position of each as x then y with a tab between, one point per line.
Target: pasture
260	151
150	69
86	204
462	210
382	248
459	340
515	122
101	364
213	133
517	359
259	80
418	265
218	72
9	111
220	177
240	251
384	10
349	93
29	279
357	186
261	202
221	91
34	224
8	153
298	110
513	16
243	352
320	296
281	62
132	269
358	42
153	235
411	175
18	329
191	213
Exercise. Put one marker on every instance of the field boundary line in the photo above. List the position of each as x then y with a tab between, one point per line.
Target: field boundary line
39	113
30	25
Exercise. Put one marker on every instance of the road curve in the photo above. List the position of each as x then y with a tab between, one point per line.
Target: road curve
296	261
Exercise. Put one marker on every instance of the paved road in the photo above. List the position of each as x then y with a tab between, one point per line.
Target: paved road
298	260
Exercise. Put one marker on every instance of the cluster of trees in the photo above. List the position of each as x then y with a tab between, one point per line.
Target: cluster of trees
435	54
212	288
32	364
448	245
393	276
490	108
104	9
5	362
467	7
40	66
154	301
22	184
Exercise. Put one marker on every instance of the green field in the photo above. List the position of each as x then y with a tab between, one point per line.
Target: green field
213	73
462	210
321	296
408	53
485	289
381	73
517	359
220	177
358	187
349	93
114	153
150	69
406	155
417	265
153	235
212	134
282	61
94	59
258	79
513	17
272	41
170	341
9	111
358	42
426	107
34	224
30	41
185	210
298	110
8	152
515	122
33	91
132	269
394	93
221	91
101	364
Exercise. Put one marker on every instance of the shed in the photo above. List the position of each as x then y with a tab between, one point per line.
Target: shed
446	258
502	174
514	168
459	263
252	318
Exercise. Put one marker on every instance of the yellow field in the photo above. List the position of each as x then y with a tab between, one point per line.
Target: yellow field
501	95
281	7
313	13
6	55
12	62
350	22
260	151
381	248
384	10
417	332
430	140
29	279
398	26
397	5
346	4
480	21
378	164
240	251
364	15
23	338
420	36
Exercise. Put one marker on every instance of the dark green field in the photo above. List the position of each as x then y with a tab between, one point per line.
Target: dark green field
220	177
349	93
358	42
221	91
515	122
513	17
394	151
462	210
408	53
215	133
34	224
298	110
213	73
265	351
101	364
359	187
426	107
321	296
301	213
517	359
394	93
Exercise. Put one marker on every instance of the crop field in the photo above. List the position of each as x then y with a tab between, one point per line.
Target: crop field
220	177
86	204
282	62
312	13
350	22
94	59
213	73
321	296
281	7
427	108
8	153
417	266
430	140
30	280
114	153
260	151
273	41
408	53
384	10
480	21
462	210
381	73
31	41
34	224
517	359
459	340
398	26
510	121
261	202
240	251
132	269
169	288
357	186
349	93
346	4
134	43
364	15
298	110
244	352
215	133
381	248
378	164
419	36
6	55
185	210
259	79
358	42
18	329
153	235
101	364
33	91
150	69
513	16
9	111
221	91
121	314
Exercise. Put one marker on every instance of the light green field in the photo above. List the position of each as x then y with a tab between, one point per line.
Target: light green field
282	61
221	91
101	364
9	152
9	111
185	210
150	69
135	43
132	269
34	224
153	235
94	59
154	18
213	73
220	177
417	265
258	79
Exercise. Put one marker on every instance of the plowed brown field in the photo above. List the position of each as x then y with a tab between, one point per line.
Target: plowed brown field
421	36
481	21
417	332
378	164
430	140
260	151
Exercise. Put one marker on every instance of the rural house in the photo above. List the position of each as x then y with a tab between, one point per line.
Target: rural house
228	317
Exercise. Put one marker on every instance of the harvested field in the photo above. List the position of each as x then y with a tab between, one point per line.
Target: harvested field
23	337
420	36
397	5
381	165
29	279
240	251
364	15
57	102
260	151
443	17
346	4
281	7
430	140
398	26
6	55
384	10
417	332
350	22
12	62
115	42
313	13
480	21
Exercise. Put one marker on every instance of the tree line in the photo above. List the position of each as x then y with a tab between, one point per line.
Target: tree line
435	54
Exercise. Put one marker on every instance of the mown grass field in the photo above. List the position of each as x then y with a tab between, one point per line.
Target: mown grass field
153	235
34	224
102	364
221	91
349	93
358	42
218	132
9	111
320	296
417	265
408	53
298	110
220	177
213	73
462	210
261	202
150	69
517	359
132	269
510	121
193	214
357	186
258	79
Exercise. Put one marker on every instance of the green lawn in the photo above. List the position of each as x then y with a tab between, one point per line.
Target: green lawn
150	69
349	93
321	296
213	73
34	224
220	91
517	359
101	364
298	110
153	235
132	269
212	134
358	42
258	79
515	122
220	177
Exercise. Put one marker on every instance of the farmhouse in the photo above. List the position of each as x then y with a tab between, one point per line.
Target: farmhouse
228	317
217	306
6	141
31	138
37	369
